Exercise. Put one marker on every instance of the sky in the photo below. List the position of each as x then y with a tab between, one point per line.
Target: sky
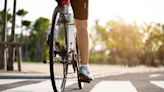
104	10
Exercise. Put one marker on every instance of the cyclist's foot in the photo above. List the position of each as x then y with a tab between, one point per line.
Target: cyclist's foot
85	75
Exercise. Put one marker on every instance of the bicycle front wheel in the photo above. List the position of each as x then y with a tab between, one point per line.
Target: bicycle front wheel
58	51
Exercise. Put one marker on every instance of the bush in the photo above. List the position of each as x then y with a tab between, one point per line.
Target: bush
99	58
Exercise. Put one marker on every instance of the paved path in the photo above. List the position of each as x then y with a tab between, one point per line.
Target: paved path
35	78
136	82
42	70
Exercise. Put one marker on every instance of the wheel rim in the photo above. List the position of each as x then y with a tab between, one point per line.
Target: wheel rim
58	67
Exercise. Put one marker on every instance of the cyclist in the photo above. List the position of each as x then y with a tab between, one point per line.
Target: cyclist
80	9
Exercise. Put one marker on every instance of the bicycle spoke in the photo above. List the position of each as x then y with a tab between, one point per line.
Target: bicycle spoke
60	56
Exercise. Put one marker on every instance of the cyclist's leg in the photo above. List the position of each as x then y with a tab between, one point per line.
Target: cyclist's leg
80	9
82	39
83	44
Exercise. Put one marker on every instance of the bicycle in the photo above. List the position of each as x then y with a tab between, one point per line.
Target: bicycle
63	51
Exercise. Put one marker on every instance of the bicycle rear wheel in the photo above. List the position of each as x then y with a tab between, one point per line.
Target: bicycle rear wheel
78	59
58	51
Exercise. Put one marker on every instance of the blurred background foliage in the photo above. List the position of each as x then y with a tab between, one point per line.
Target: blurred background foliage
122	43
33	36
117	42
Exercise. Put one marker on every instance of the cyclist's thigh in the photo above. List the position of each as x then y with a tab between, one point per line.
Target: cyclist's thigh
80	9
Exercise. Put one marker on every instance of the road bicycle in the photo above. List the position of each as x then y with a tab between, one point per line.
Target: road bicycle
63	48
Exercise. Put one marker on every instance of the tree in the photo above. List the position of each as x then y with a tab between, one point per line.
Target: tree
4	38
21	13
122	42
153	43
27	25
38	39
9	20
11	48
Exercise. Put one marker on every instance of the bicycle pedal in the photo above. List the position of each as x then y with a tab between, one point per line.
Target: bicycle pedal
83	78
86	81
69	62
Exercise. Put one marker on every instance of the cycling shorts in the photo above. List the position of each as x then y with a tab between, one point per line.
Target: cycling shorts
80	9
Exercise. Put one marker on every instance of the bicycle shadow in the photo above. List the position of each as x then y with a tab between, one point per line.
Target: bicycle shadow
73	88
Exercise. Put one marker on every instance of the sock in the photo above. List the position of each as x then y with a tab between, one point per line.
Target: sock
85	65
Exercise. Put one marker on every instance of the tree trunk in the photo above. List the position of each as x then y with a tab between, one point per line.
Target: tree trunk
12	49
4	39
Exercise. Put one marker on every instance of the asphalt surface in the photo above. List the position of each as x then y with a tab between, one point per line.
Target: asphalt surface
108	78
140	81
136	82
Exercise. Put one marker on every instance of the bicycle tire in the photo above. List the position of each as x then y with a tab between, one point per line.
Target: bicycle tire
80	84
58	78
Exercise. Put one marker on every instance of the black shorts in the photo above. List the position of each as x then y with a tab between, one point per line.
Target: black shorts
80	9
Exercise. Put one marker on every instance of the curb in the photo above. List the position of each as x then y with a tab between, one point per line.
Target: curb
24	77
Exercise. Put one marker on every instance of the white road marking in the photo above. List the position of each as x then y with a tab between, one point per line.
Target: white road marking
158	83
8	81
44	86
103	86
114	86
154	75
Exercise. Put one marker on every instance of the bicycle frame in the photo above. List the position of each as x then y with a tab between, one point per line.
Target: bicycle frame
71	30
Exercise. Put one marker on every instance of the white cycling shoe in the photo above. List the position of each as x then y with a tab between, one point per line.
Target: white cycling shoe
85	75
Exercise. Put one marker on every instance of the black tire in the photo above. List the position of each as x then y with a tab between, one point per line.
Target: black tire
57	52
80	84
